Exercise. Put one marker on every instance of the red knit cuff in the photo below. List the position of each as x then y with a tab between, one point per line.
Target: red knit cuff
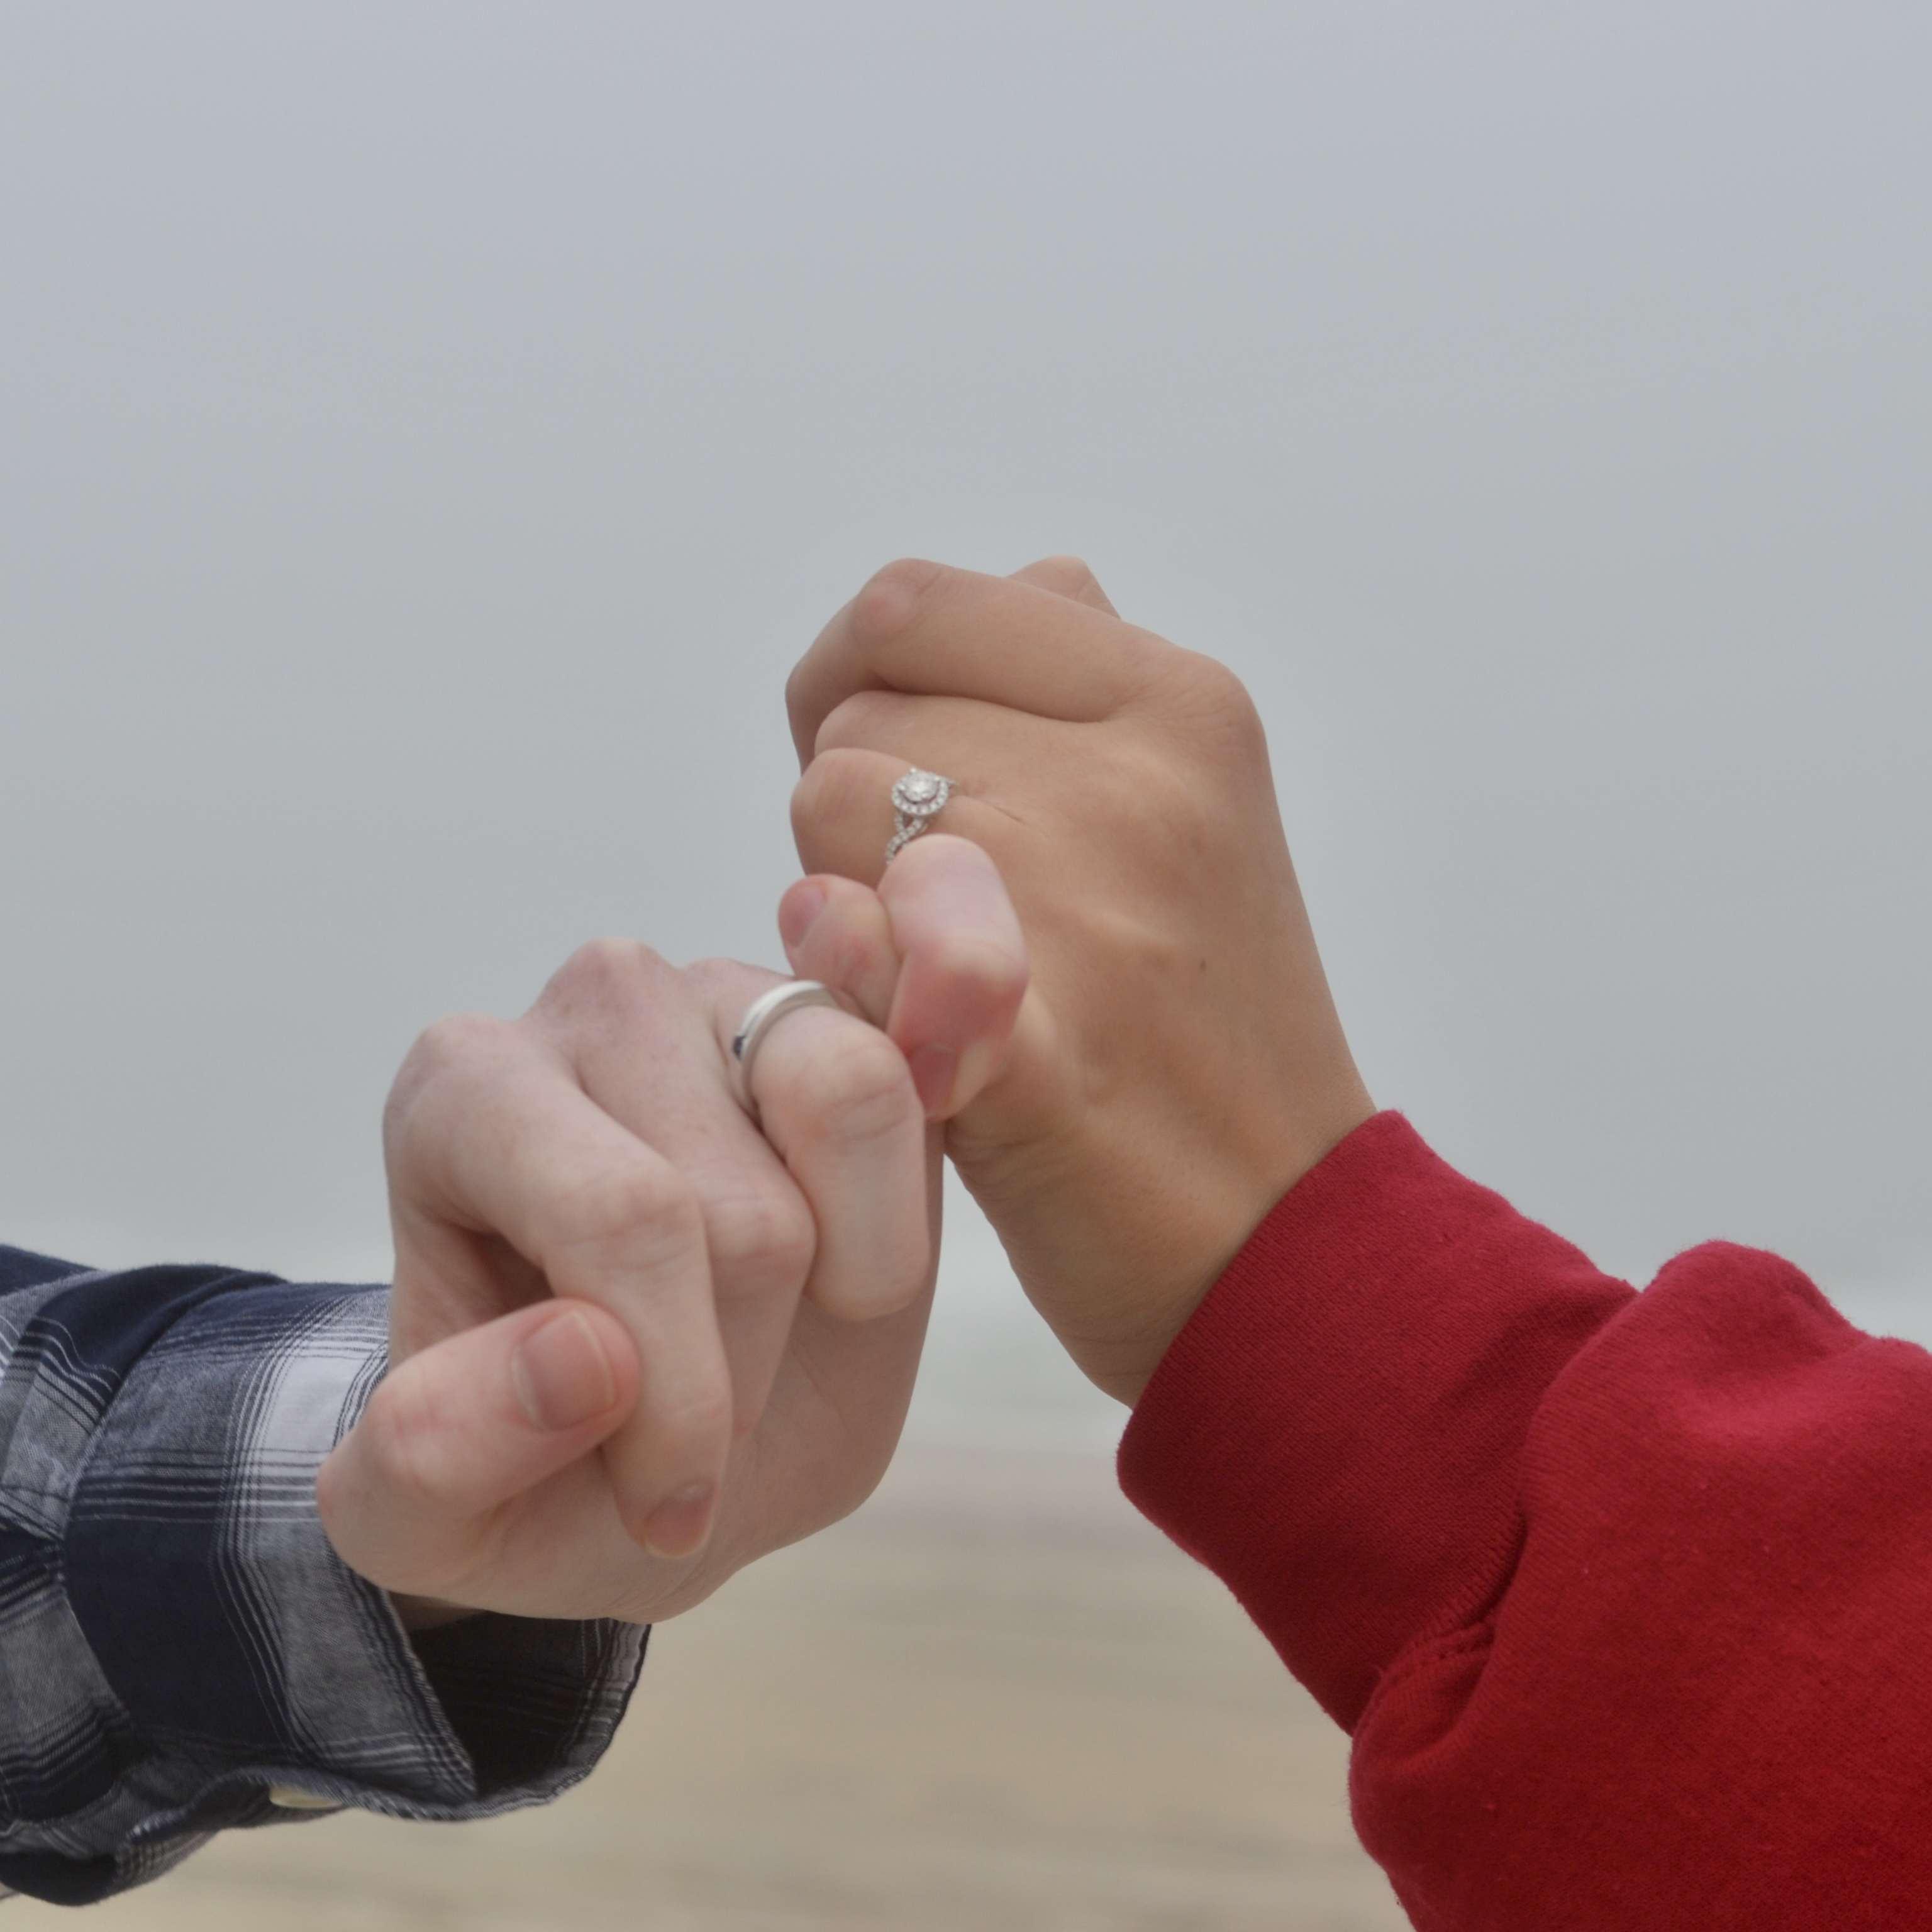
1336	1431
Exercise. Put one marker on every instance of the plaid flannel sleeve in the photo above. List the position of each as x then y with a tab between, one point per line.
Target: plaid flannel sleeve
181	1650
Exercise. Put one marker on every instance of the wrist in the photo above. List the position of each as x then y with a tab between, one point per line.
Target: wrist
1118	1265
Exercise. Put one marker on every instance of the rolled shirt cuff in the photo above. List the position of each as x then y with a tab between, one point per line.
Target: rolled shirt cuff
1337	1431
233	1655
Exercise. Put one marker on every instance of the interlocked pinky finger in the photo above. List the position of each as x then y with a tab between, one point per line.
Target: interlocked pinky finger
935	957
838	932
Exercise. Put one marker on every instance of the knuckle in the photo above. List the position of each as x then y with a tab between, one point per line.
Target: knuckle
598	961
456	1041
600	972
1218	701
868	717
646	1208
860	1095
891	598
700	1419
959	960
831	791
707	978
1074	572
798	694
706	1413
608	987
761	1240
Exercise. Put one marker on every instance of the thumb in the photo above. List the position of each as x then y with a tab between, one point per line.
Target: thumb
462	1428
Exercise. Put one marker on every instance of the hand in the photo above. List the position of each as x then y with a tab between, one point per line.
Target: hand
1178	1064
635	1342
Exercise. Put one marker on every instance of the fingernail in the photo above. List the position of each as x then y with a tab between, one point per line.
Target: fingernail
561	1375
801	908
934	1068
679	1524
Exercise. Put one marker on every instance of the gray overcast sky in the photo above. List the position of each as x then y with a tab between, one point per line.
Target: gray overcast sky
430	432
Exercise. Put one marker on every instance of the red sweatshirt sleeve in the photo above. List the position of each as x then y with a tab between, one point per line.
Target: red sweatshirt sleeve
1625	1599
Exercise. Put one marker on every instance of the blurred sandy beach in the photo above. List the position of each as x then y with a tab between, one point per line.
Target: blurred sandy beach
994	1698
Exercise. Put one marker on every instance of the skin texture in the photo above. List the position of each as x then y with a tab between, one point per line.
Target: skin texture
1177	1063
637	1342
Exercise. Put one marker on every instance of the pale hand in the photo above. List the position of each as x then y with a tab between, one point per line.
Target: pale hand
636	1342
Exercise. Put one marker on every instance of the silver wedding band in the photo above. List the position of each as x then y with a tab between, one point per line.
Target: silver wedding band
760	1016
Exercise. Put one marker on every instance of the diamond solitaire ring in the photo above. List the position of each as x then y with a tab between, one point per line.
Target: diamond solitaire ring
916	800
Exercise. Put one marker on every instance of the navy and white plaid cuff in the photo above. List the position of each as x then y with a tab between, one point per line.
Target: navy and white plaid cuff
177	1635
